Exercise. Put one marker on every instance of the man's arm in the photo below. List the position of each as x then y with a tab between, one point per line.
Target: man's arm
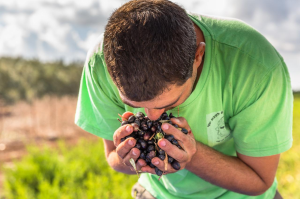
242	174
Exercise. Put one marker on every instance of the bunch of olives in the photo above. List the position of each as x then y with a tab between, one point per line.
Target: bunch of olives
147	133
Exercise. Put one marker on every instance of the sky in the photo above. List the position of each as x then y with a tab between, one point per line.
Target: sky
65	29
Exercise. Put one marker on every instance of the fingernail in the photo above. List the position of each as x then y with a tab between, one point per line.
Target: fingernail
133	153
162	143
128	128
165	126
130	142
156	162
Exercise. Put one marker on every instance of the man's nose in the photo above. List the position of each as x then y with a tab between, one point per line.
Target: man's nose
153	114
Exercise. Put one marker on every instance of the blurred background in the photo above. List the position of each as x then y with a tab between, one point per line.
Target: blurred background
43	44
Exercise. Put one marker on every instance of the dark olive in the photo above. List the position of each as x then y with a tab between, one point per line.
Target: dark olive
138	122
171	115
169	137
149	124
138	146
139	114
175	165
135	126
184	131
148	160
153	129
150	148
174	141
151	155
164	114
143	156
131	119
147	135
151	165
141	133
151	142
158	171
161	152
144	144
166	118
162	157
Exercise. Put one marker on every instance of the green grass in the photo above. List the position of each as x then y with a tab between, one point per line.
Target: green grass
288	173
79	172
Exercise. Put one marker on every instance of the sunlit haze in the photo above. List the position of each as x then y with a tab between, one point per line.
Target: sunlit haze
65	29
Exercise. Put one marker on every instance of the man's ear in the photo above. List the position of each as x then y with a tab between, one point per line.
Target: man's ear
199	53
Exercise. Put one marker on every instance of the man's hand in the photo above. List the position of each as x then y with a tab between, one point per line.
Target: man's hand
126	149
187	142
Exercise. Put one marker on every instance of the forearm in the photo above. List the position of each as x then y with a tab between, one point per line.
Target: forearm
117	164
225	171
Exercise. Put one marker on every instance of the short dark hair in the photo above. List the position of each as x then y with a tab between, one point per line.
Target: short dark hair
149	45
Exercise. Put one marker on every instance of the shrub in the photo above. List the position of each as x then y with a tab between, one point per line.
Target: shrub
23	79
67	173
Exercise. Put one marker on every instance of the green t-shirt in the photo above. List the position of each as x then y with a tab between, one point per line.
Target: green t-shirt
242	102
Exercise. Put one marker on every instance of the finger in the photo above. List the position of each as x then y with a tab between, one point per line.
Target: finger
140	163
148	169
134	153
161	165
172	150
170	129
124	147
181	122
121	132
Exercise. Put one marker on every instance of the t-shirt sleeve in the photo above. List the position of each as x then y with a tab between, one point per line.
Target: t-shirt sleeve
264	126
98	104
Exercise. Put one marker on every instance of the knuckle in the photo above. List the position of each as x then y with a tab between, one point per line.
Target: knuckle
193	150
181	157
119	152
183	138
181	119
116	143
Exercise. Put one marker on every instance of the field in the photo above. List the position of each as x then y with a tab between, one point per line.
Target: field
40	149
288	173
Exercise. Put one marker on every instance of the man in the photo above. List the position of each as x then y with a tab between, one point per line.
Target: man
230	86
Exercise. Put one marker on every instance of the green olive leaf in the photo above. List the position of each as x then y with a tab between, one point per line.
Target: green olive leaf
158	136
132	162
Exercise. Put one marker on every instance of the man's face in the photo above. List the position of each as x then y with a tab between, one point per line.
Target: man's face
170	98
174	95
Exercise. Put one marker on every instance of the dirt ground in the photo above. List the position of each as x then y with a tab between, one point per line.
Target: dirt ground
41	122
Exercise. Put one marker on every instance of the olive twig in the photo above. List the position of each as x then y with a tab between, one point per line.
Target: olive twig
166	161
123	118
164	121
160	177
152	136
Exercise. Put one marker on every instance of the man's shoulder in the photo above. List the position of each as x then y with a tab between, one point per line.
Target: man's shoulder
227	30
235	36
96	47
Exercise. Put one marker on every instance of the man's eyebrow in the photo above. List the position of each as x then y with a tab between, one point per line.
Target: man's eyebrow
125	102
